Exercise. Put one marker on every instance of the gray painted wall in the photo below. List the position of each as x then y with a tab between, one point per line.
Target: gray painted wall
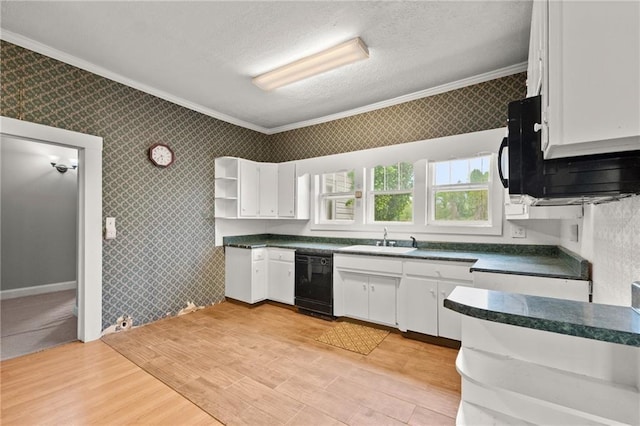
39	215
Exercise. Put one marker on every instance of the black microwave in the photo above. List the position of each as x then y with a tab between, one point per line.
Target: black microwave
524	171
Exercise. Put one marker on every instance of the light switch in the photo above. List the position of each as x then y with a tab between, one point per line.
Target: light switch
110	228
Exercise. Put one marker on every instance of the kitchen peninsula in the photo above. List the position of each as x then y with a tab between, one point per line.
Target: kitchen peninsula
528	359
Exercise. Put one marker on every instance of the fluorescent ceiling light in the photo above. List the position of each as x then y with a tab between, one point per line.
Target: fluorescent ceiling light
345	53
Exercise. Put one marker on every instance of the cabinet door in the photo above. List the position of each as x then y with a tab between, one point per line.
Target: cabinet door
286	190
382	299
238	274
355	288
281	283
248	189
449	322
594	64
259	280
421	306
268	190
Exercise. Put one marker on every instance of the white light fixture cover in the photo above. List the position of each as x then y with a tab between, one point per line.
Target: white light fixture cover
344	53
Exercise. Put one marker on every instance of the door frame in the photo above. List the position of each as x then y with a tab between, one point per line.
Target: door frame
89	265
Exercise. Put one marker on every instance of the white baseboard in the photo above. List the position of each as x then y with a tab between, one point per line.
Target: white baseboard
37	289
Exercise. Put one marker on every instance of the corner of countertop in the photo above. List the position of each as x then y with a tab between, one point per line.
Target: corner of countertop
580	265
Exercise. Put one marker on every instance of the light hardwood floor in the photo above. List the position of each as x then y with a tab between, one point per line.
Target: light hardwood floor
242	365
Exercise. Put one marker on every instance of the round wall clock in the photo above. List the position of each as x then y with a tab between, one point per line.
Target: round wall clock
161	155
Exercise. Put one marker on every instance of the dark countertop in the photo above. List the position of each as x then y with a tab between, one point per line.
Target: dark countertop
542	261
608	323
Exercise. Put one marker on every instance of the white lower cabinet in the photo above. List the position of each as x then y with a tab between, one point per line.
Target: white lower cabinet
245	274
424	286
281	275
534	286
370	297
254	275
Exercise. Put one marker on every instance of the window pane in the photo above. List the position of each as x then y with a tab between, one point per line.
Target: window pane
393	208
472	170
338	182
462	205
338	208
396	177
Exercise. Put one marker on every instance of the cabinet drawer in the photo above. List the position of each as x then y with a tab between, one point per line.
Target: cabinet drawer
383	265
282	254
258	254
439	269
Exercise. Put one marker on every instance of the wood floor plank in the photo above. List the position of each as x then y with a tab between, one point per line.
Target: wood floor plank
88	384
372	398
243	366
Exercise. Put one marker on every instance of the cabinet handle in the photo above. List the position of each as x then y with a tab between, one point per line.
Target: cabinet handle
373	288
444	294
433	292
364	286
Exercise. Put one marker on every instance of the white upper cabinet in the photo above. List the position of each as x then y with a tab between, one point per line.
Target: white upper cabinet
268	190
258	186
584	60
248	189
287	190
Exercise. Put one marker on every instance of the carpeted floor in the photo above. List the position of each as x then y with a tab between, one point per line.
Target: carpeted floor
33	323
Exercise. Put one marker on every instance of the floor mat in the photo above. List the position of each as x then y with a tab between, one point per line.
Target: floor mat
353	337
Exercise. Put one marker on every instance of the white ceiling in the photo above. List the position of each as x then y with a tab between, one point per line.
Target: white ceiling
203	54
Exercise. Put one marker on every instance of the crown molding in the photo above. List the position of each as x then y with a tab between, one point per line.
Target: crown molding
43	49
459	84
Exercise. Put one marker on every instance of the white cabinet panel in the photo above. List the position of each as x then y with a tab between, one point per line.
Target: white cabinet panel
421	310
355	288
281	275
286	190
449	322
248	189
590	68
267	190
245	274
382	299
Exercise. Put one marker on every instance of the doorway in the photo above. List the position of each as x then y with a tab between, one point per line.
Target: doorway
89	215
39	189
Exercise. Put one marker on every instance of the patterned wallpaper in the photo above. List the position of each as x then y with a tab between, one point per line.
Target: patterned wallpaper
479	107
616	250
164	255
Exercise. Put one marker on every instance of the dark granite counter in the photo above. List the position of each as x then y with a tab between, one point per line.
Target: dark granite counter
608	323
535	260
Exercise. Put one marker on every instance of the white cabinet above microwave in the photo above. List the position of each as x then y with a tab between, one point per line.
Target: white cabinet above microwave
584	59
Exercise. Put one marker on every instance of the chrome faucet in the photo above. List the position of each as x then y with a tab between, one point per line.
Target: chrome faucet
384	238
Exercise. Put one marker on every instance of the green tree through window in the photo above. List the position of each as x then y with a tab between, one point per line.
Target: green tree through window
392	193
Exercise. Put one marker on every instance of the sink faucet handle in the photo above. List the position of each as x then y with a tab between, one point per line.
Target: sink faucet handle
414	243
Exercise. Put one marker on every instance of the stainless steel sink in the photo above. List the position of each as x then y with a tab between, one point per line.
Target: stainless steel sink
379	249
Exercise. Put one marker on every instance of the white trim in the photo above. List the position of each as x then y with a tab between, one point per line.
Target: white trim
43	49
89	272
37	289
459	84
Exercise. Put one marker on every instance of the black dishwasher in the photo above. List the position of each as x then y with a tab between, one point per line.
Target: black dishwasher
314	283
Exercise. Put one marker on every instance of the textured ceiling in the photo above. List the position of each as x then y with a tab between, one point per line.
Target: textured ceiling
204	54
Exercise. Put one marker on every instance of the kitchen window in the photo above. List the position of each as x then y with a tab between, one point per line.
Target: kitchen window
337	197
391	193
462	194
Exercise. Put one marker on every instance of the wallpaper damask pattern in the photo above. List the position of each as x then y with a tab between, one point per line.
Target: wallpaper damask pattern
479	107
164	255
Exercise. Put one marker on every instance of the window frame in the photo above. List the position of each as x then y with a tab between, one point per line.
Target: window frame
371	194
322	197
493	224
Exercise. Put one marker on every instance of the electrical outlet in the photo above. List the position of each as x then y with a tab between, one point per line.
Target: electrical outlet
518	231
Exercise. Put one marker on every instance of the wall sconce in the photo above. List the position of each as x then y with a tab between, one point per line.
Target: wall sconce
62	168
